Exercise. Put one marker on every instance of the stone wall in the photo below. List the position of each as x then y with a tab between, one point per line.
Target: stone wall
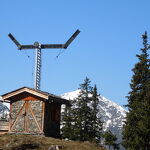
31	124
51	118
16	106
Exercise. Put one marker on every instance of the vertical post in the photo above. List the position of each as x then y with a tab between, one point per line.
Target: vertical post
26	117
10	116
43	113
37	75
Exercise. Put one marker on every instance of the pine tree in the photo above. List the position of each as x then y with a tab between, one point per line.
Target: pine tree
80	121
83	112
136	133
110	140
67	126
95	119
68	121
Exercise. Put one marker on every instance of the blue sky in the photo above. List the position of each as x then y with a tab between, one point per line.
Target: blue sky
104	51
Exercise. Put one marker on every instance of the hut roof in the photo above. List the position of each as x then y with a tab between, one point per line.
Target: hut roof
40	95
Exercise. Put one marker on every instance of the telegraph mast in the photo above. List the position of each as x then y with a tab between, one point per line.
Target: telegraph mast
38	55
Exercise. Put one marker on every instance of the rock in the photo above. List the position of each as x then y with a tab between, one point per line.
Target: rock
55	147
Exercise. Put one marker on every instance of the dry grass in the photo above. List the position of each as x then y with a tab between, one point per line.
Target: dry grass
30	142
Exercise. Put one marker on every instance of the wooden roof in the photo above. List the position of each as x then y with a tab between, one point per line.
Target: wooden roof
21	93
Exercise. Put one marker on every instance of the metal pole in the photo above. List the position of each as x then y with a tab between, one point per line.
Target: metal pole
37	46
37	75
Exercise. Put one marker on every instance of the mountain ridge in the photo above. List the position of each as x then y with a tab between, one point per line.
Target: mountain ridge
112	114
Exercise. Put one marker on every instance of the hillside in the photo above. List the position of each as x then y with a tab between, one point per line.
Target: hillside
26	142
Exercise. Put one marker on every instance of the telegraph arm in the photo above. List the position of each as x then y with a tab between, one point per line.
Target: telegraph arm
38	48
44	46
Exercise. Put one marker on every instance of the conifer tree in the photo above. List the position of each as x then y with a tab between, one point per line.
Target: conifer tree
67	126
95	119
136	133
83	112
81	122
110	140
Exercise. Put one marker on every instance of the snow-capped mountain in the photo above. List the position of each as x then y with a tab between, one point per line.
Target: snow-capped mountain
111	114
4	111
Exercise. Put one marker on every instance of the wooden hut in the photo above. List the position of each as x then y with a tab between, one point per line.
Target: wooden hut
34	111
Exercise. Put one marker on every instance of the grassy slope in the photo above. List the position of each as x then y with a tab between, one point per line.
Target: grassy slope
26	142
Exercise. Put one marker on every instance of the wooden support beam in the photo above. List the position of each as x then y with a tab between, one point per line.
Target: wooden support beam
29	98
43	113
26	117
10	117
